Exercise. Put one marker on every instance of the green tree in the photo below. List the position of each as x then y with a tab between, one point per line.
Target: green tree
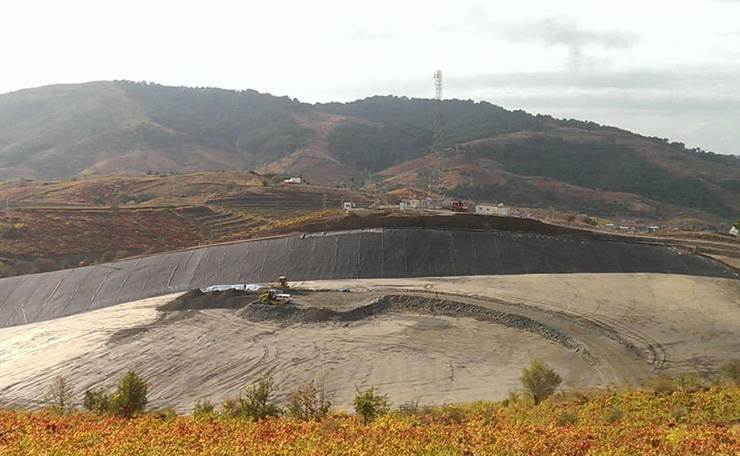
97	400
370	405
539	381
257	403
59	396
129	398
309	402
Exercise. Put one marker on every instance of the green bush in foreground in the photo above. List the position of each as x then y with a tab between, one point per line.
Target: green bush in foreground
129	398
369	405
309	402
540	381
256	403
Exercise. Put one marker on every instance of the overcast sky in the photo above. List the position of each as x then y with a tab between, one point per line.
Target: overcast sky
659	68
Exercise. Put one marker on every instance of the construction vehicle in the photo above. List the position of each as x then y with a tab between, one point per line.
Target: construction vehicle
282	283
458	206
274	297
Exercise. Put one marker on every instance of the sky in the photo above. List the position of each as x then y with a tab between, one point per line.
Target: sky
661	68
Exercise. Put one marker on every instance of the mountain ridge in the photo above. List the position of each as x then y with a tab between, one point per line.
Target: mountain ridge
486	152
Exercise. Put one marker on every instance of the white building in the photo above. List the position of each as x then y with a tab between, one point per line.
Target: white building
734	231
486	209
483	209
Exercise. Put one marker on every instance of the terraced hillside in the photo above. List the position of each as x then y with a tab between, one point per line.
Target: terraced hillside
285	200
50	225
219	223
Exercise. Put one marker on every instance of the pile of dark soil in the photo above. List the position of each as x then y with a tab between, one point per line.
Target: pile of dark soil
196	299
290	314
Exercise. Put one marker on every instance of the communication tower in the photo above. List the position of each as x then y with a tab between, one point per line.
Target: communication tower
437	145
438	84
428	177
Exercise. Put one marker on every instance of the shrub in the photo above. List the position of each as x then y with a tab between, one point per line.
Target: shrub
42	265
513	398
257	403
539	381
447	414
309	402
203	408
613	415
7	270
230	407
369	405
59	396
662	384
12	231
679	412
143	197
731	371
690	382
129	398
590	221
124	198
566	417
409	407
97	400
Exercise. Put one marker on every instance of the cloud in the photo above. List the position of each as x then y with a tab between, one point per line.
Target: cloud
584	45
565	31
687	79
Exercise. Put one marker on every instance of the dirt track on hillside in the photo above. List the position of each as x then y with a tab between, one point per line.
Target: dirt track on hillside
622	329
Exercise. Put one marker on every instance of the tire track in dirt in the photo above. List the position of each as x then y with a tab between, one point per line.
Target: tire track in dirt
640	343
620	354
632	360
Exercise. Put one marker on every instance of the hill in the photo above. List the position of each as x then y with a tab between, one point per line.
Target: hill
485	153
56	224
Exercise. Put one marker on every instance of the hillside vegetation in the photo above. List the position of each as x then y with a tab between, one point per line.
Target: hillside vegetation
677	423
50	225
486	152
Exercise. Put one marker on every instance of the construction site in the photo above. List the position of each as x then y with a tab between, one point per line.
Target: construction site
428	309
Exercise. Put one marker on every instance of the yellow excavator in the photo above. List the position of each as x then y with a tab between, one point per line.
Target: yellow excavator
274	297
278	294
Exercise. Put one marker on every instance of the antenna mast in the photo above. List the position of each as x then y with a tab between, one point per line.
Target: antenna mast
437	145
427	178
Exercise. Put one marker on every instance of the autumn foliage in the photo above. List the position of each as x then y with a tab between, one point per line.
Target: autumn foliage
640	423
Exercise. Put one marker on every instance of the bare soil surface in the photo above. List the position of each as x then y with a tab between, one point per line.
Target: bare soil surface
428	339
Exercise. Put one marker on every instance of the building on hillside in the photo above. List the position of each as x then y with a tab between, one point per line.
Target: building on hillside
426	203
293	180
486	209
734	231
